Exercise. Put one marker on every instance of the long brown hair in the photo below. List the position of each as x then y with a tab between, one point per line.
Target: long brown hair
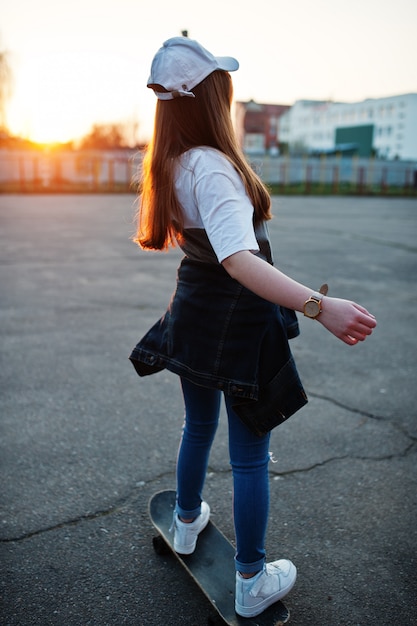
181	124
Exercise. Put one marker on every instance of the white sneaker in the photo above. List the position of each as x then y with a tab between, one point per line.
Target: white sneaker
185	537
273	582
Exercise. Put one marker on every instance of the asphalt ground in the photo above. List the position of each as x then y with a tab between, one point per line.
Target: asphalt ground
85	442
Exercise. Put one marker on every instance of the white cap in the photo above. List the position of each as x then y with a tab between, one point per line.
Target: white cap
183	63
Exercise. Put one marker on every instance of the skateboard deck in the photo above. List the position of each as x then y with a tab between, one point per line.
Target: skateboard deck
211	565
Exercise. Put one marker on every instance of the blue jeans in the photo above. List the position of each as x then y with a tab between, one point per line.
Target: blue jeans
249	457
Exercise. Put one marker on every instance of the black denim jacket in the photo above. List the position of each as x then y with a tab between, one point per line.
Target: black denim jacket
218	334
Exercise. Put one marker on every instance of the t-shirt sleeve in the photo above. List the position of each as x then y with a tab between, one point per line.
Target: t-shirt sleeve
223	205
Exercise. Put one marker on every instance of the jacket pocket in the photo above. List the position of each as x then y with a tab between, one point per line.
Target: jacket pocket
283	396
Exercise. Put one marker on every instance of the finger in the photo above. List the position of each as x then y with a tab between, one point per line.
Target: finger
361	330
349	340
360	334
362	309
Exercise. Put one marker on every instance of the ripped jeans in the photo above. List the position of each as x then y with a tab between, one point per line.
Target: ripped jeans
249	457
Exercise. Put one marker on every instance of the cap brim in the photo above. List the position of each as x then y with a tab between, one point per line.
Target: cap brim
228	64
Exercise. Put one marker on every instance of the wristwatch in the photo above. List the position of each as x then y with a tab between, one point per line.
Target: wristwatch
312	306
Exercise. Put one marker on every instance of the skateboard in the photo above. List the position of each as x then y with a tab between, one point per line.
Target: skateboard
211	566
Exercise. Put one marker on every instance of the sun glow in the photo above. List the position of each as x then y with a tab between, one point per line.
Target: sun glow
57	98
45	122
38	108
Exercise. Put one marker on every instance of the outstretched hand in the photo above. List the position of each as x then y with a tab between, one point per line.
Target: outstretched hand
347	320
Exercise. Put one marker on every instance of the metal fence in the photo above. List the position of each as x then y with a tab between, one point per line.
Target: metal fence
337	174
117	171
75	171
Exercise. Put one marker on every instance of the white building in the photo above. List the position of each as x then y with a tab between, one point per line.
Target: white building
385	127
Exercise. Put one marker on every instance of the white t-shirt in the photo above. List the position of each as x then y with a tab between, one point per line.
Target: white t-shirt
213	198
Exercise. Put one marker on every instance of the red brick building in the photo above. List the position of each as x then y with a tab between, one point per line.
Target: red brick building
257	126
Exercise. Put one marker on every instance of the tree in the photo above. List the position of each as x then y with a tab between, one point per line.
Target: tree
105	137
5	87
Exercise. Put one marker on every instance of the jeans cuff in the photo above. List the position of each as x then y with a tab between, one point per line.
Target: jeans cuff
249	568
187	514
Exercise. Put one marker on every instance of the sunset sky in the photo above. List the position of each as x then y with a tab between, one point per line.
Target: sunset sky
85	61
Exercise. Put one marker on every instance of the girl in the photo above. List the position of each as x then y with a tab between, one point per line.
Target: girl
227	327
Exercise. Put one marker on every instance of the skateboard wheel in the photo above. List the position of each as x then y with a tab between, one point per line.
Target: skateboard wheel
159	545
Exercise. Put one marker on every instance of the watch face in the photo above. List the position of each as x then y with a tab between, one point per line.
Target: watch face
311	308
